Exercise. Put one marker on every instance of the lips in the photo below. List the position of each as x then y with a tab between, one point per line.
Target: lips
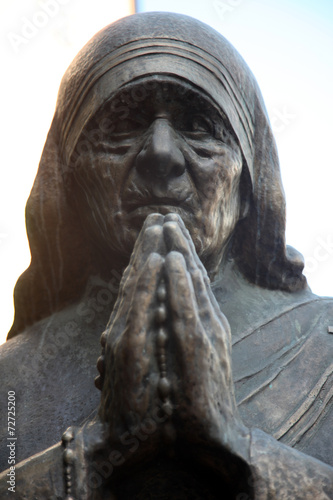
176	192
156	202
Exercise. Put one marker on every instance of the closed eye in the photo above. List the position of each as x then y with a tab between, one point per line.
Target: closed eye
129	125
195	124
201	124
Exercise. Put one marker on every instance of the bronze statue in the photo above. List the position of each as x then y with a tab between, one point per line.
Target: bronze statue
157	219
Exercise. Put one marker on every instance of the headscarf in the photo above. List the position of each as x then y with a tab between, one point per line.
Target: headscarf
61	262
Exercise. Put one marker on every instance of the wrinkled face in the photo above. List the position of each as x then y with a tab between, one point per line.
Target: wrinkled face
158	145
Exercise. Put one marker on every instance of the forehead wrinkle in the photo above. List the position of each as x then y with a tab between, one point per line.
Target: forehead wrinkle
181	61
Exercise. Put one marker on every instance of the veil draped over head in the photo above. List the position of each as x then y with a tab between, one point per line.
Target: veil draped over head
133	47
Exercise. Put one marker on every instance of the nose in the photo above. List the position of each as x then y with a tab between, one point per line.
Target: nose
160	155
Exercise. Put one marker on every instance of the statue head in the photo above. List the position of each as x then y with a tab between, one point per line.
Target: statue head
173	150
157	113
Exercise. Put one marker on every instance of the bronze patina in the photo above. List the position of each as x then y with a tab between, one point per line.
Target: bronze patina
157	223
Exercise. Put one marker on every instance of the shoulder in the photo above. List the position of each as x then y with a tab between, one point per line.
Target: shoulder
51	369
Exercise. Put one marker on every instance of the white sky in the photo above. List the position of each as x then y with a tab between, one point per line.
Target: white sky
288	44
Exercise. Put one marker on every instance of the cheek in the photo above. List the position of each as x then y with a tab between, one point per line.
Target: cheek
95	194
99	177
219	179
97	189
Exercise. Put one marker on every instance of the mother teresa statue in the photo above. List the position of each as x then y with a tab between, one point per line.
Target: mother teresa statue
157	232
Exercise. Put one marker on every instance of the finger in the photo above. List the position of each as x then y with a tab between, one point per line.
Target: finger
174	242
213	322
177	219
177	241
146	289
181	297
201	339
134	308
135	347
191	348
150	240
177	238
127	355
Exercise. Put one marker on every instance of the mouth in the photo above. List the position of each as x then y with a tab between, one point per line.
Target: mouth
139	210
162	205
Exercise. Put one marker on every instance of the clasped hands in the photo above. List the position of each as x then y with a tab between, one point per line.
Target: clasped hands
168	345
